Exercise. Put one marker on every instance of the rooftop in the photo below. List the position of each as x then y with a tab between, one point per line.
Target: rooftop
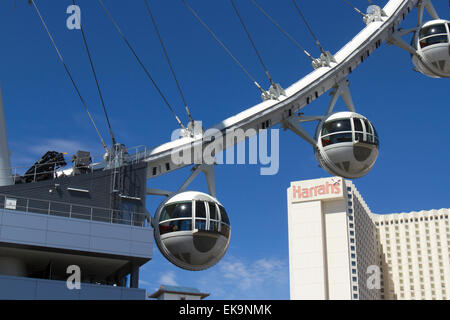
180	290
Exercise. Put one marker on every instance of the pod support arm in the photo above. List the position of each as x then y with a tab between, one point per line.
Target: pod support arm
208	170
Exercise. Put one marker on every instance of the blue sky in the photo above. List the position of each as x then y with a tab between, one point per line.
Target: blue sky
409	110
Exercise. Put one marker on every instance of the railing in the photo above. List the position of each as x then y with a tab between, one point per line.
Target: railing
133	155
74	211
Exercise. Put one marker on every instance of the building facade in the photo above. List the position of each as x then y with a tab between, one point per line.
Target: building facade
339	249
416	259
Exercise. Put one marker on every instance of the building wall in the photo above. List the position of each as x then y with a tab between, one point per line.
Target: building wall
415	259
17	227
58	195
21	288
306	251
363	242
337	252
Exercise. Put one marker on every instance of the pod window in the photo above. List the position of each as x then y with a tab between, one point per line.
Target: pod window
176	211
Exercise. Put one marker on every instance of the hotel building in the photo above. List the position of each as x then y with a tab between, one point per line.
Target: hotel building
339	249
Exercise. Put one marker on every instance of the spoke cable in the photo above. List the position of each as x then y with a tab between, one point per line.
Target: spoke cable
223	45
168	60
355	8
282	30
69	74
308	26
252	42
96	81
141	63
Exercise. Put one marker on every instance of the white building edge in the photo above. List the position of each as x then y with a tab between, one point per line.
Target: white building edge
339	249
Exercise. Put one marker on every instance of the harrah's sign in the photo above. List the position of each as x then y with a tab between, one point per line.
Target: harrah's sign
318	189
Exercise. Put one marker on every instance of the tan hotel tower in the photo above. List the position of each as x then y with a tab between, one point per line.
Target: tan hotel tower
338	249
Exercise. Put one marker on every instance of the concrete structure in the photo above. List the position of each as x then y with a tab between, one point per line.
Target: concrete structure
178	293
36	249
5	162
338	249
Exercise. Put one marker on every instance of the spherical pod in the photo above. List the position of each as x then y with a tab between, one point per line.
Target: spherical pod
347	144
192	230
432	43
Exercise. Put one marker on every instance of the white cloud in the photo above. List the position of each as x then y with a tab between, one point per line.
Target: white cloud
61	145
26	153
144	283
168	278
239	279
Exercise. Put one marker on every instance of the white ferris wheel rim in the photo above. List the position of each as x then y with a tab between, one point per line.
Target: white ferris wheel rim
298	95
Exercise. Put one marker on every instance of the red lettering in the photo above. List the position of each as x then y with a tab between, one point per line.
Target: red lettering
336	188
323	189
305	193
297	192
328	185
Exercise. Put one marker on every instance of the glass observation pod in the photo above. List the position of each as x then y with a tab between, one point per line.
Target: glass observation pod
432	43
192	230
347	144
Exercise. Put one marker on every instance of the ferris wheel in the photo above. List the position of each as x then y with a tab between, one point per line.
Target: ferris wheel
192	229
345	143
